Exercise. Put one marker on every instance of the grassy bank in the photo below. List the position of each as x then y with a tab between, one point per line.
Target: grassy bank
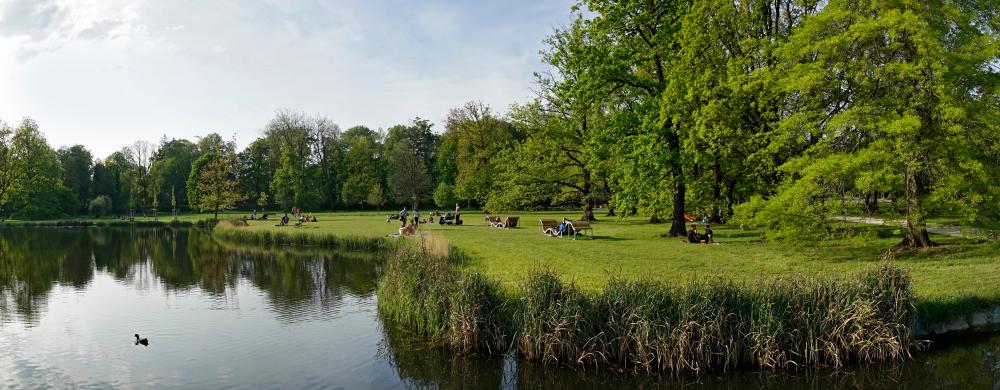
299	238
959	276
654	327
956	277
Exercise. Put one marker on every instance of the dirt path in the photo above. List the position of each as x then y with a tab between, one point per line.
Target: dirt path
933	228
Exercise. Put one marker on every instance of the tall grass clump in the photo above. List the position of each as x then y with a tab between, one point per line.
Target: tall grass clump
779	324
422	289
653	327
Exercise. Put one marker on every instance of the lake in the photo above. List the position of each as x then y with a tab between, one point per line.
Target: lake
221	315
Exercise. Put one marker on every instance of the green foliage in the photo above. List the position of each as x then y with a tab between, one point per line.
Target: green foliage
170	170
216	185
76	165
408	178
294	182
376	196
444	195
479	139
197	168
881	97
360	165
35	190
100	206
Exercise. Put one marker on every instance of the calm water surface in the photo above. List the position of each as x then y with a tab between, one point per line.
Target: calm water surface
225	316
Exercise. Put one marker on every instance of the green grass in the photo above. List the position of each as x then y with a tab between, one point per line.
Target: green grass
957	275
957	271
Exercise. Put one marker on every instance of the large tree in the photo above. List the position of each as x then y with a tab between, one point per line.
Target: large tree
361	165
557	160
722	83
36	191
76	164
216	184
295	182
897	96
408	178
630	48
478	137
170	169
256	171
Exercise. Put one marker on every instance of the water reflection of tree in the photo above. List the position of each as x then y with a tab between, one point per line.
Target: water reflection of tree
298	284
29	268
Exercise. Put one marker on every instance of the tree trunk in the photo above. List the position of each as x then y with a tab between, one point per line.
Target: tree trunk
716	216
677	225
588	201
916	227
677	171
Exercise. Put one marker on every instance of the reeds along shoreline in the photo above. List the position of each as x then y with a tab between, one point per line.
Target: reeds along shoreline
284	238
649	327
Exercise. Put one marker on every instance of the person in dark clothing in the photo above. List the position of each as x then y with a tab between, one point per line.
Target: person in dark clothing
707	237
693	236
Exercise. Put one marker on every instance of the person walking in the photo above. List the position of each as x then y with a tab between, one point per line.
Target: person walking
403	215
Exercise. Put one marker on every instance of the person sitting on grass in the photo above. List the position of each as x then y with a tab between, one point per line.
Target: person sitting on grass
707	237
693	236
408	230
284	220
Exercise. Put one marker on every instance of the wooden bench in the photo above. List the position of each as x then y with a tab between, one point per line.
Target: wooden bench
580	226
548	224
509	223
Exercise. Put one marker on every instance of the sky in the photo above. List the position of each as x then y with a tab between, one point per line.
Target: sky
106	73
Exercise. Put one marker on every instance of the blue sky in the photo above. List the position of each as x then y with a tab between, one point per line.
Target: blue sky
105	73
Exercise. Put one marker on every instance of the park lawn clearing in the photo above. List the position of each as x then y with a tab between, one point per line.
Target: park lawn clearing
958	273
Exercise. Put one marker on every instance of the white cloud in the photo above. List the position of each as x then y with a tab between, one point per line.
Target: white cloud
105	73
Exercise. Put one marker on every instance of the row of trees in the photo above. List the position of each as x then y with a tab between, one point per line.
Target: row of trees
299	161
779	113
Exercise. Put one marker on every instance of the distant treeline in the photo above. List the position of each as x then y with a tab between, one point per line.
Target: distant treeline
775	114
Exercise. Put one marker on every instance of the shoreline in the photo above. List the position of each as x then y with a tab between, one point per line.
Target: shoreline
500	316
979	319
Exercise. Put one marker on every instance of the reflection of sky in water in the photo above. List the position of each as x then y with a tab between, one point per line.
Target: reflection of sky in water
70	301
85	338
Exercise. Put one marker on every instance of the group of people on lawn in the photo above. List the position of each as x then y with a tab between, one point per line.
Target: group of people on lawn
298	214
695	238
404	216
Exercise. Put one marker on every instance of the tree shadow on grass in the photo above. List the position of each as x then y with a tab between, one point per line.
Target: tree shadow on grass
604	238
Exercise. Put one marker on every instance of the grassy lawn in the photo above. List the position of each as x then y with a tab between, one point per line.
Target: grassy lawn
955	271
958	269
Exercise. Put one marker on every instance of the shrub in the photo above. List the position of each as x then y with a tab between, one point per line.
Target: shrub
100	206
